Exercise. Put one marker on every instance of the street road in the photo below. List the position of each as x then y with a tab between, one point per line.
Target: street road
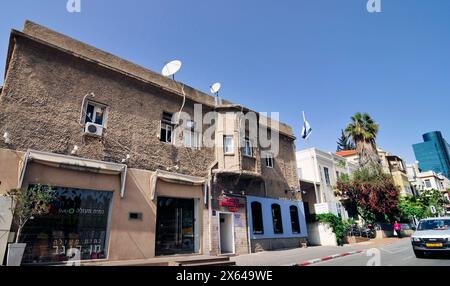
397	254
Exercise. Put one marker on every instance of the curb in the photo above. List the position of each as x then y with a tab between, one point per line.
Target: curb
327	258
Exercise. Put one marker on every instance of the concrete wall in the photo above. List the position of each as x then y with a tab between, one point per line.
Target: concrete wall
321	234
5	225
282	181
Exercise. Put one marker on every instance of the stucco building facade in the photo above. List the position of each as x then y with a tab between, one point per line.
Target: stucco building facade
103	133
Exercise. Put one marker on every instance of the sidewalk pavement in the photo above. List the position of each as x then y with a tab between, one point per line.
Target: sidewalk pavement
306	256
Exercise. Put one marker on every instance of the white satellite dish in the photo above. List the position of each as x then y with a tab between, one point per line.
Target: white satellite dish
215	88
171	68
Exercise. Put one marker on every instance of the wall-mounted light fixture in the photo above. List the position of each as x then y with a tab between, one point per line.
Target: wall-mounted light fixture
127	159
74	150
7	138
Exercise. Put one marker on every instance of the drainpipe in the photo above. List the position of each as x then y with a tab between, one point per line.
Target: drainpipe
318	197
249	241
210	186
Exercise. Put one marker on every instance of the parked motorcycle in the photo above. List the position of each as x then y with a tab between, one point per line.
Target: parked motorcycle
369	231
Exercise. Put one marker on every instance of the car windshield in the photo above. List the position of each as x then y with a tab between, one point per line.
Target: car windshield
435	224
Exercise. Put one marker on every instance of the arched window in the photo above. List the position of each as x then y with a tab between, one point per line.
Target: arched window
295	224
276	218
257	218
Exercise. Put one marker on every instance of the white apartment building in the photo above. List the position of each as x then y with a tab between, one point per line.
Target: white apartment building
318	172
429	180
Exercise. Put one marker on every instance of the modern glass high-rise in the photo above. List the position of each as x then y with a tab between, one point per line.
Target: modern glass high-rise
433	154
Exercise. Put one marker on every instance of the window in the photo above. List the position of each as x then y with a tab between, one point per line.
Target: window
428	183
257	218
78	219
192	138
248	151
276	219
228	145
167	127
166	133
95	113
294	220
269	160
337	175
327	175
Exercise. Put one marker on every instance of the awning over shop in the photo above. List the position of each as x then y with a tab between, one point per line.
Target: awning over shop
74	163
175	178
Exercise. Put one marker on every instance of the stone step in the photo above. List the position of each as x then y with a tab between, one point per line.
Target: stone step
219	261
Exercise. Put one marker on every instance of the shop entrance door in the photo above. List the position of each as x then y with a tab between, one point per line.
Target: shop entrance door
226	233
175	233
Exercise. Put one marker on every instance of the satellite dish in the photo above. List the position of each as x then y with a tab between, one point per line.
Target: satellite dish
215	88
171	68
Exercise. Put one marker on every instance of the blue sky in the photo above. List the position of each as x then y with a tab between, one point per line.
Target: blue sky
329	58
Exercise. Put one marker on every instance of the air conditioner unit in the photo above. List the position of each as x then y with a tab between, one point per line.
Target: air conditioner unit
93	129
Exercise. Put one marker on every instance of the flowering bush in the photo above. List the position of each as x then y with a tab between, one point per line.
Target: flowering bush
373	192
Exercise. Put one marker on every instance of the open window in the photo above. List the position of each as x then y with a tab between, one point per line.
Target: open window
295	223
95	119
167	128
257	218
95	113
277	220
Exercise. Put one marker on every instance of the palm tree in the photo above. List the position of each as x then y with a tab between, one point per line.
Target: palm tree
363	130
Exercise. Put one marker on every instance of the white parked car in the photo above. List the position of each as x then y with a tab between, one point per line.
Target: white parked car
432	235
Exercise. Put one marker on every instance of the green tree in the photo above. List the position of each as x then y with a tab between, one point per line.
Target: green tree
411	208
345	143
433	198
363	131
420	207
26	204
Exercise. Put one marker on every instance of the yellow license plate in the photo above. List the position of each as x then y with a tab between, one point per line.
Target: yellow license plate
434	245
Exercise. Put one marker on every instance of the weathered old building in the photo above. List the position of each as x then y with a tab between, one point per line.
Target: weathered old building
105	134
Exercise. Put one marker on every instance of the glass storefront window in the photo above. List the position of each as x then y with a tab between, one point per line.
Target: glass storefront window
175	226
74	229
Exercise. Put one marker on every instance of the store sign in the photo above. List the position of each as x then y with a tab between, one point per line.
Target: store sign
233	204
238	221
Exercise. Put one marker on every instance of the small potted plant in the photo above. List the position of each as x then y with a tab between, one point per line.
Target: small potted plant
25	205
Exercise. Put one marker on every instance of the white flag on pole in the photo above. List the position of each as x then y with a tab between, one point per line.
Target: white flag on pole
307	130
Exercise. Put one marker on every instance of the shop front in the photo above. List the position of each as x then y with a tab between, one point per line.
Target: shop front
105	212
175	226
76	228
229	226
181	212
